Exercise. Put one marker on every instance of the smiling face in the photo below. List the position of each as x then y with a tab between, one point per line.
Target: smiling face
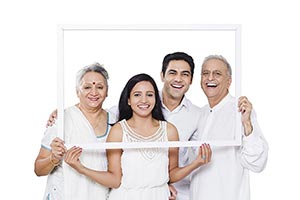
215	80
92	90
142	99
177	79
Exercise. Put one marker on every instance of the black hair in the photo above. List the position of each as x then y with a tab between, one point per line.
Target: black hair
178	56
125	111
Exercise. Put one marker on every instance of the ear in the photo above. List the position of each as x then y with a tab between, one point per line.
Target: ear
229	81
77	92
162	78
128	102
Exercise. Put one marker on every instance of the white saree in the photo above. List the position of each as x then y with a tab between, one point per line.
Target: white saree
76	186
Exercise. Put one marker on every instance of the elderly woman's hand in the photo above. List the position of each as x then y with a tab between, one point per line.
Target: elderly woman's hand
58	149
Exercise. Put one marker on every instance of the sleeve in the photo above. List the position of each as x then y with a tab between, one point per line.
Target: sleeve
254	149
196	136
194	149
49	135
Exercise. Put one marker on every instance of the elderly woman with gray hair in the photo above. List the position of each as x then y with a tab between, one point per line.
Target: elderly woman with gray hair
86	122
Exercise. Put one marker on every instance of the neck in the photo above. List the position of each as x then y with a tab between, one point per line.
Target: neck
213	101
169	102
96	117
90	112
142	120
138	122
144	126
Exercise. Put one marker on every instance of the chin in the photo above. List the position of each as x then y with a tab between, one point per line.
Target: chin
94	105
177	95
210	94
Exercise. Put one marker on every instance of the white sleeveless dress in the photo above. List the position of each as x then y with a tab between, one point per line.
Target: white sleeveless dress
145	171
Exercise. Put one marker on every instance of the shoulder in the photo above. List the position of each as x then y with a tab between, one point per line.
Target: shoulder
170	126
192	107
115	133
71	112
172	132
49	134
71	109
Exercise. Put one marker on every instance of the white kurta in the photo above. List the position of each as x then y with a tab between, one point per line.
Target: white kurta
66	179
145	173
185	118
226	177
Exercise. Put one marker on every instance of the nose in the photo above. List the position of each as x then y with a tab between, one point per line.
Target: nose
94	91
144	98
178	77
211	76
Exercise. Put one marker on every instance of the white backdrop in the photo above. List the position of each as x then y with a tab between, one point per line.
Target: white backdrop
132	49
28	47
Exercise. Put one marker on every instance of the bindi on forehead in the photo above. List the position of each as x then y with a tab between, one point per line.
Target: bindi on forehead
92	82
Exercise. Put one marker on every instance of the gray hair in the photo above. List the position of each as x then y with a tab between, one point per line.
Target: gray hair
95	67
220	58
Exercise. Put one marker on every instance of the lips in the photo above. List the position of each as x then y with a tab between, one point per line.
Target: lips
177	86
93	98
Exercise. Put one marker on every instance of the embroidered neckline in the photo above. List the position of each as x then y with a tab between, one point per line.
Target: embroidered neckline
158	136
135	136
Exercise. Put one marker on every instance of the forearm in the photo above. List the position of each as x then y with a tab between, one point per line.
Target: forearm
179	173
248	128
43	166
104	178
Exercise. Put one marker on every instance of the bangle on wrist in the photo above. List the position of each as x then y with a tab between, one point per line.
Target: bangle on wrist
51	161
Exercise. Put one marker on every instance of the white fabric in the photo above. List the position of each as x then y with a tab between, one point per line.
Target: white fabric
144	171
185	118
226	177
65	179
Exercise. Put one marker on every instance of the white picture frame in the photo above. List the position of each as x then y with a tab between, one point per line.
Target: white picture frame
77	44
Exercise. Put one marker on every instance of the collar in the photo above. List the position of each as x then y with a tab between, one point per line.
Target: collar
184	103
226	99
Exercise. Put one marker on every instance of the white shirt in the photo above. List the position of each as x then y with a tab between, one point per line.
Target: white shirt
226	177
185	118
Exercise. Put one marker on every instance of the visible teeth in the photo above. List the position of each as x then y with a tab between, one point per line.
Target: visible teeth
144	106
93	99
211	84
177	86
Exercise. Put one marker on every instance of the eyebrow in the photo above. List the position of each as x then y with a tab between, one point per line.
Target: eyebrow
139	91
185	71
207	70
172	70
